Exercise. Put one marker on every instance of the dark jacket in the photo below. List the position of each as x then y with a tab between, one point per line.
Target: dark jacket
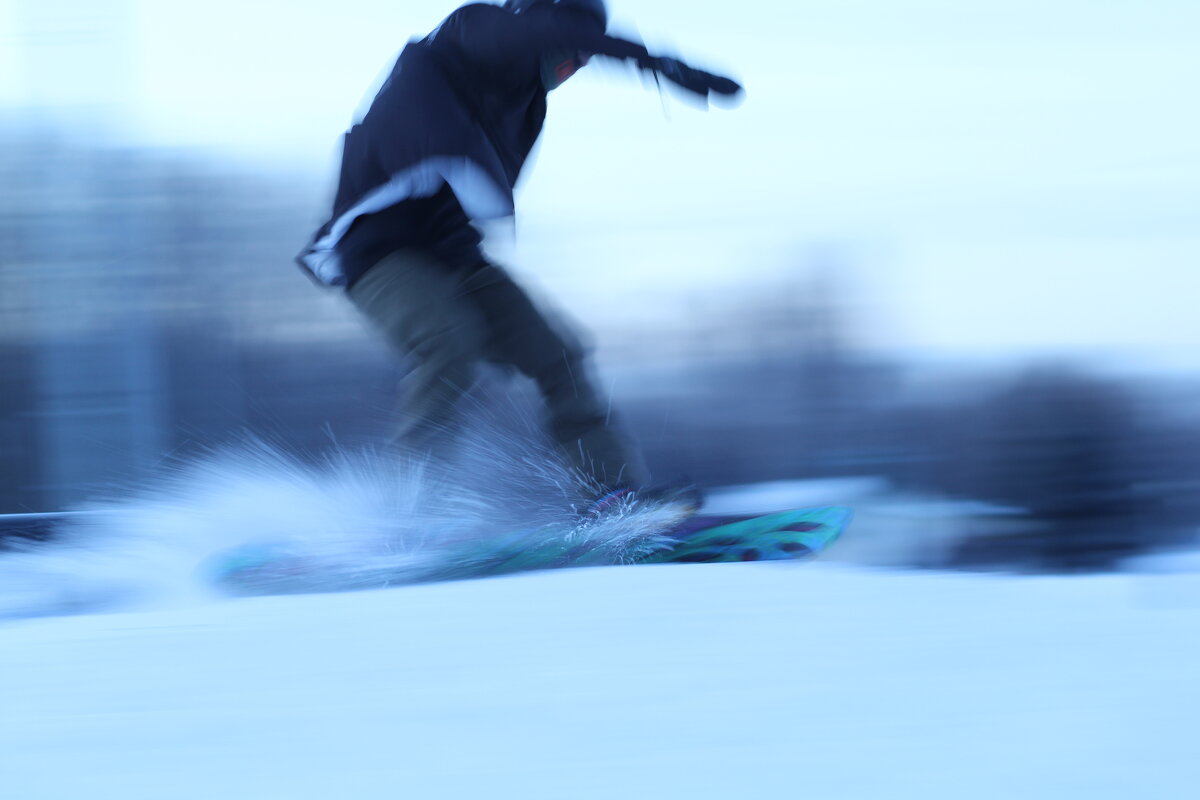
462	108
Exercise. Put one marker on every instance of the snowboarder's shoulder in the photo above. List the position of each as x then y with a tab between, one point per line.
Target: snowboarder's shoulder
475	18
534	15
481	11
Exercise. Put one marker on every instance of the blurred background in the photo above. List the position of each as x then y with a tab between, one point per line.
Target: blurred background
945	249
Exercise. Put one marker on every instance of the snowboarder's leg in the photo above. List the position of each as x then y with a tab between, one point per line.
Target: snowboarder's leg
579	416
419	305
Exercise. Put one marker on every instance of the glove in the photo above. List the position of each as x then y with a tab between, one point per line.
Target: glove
694	80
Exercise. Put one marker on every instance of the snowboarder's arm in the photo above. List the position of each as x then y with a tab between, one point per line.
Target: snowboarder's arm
554	29
562	28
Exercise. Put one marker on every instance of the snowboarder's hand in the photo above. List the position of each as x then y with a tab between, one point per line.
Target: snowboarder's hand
694	80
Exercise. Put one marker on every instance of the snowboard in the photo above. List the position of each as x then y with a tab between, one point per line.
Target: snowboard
278	568
785	535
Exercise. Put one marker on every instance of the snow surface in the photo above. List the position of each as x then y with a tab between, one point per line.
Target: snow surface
770	680
708	681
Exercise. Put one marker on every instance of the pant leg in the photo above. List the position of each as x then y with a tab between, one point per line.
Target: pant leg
579	415
420	306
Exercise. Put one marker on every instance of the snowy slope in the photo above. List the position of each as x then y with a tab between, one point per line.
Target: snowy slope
819	680
711	681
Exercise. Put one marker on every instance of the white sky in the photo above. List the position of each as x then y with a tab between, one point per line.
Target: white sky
1007	175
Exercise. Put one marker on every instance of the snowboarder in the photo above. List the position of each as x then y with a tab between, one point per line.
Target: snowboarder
442	145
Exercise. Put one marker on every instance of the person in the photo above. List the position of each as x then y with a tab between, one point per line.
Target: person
442	146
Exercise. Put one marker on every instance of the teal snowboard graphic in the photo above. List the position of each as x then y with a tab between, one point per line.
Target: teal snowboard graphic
768	537
278	568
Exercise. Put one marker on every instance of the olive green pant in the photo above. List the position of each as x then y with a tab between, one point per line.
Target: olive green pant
446	323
